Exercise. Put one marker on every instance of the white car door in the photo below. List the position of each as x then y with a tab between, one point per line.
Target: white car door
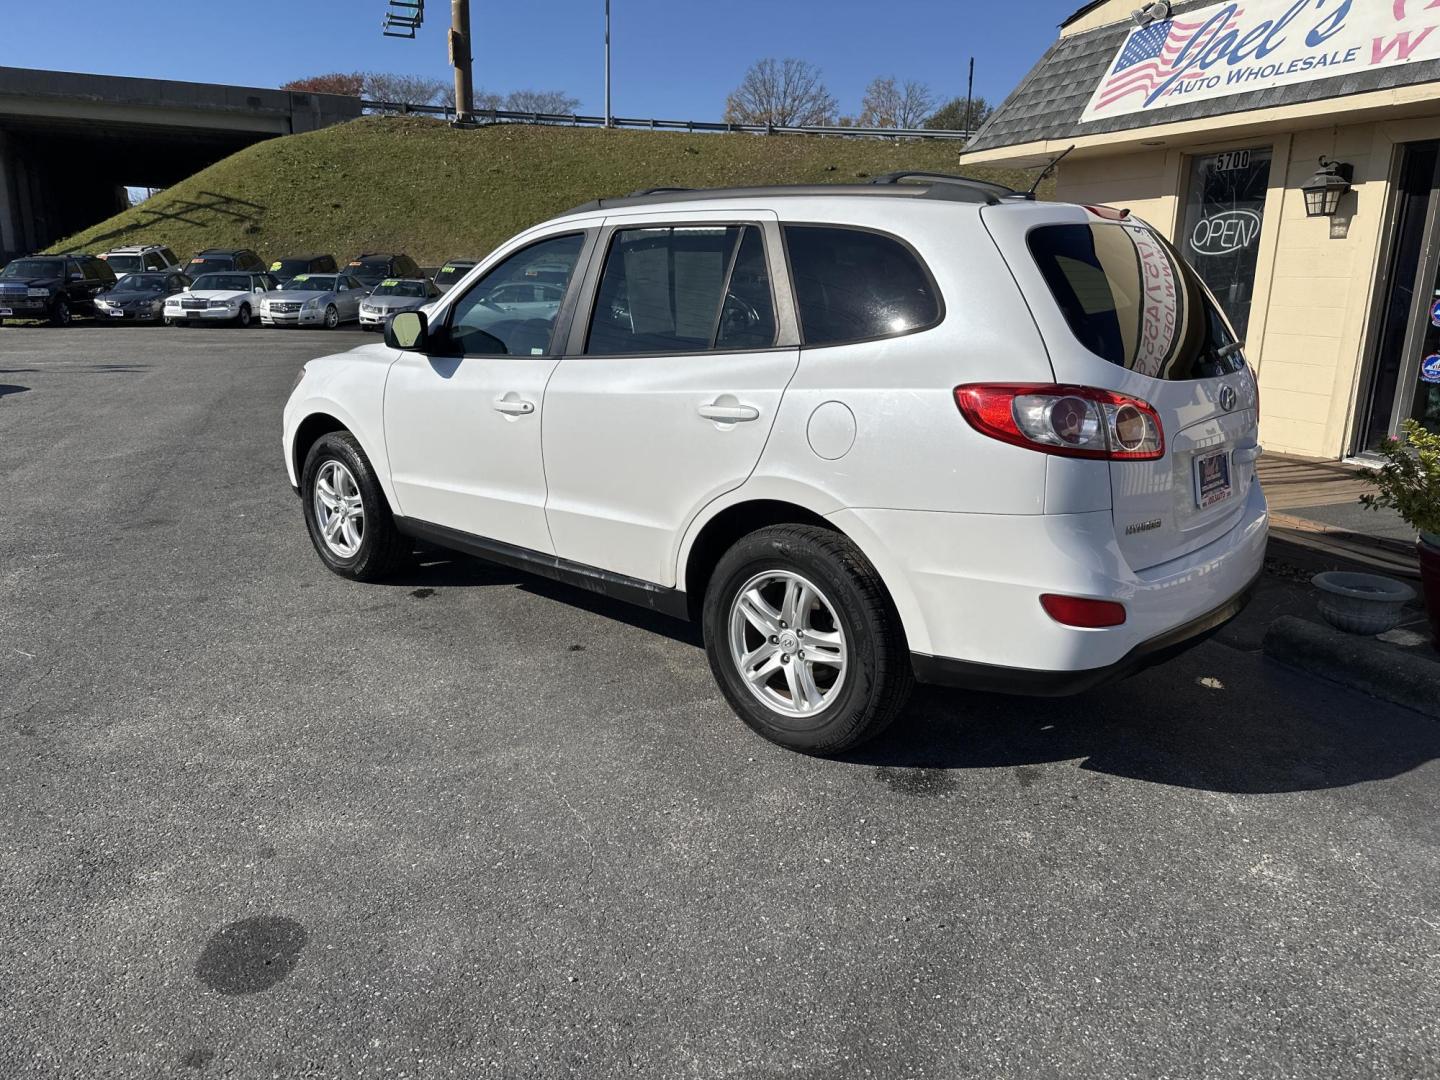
462	420
670	386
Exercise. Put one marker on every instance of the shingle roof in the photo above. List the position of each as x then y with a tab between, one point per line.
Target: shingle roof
1049	101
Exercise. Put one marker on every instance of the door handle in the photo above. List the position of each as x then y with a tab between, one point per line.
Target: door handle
729	414
1248	455
514	406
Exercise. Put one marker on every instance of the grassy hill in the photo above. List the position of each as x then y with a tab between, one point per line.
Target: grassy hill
421	187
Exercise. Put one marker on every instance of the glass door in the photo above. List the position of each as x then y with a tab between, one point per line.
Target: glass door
1405	370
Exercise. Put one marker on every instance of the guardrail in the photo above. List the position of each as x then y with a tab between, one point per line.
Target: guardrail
483	117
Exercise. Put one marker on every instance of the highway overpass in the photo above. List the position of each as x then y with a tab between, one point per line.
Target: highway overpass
70	143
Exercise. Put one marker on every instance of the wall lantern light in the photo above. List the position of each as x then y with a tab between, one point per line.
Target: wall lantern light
1323	190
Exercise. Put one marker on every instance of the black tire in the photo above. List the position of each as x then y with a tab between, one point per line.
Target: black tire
60	313
877	674
332	318
179	322
382	549
243	319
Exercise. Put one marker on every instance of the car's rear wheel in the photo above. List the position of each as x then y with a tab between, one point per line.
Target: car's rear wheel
804	640
345	510
60	313
243	319
332	317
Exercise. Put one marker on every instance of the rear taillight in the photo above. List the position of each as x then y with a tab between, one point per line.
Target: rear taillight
1086	614
1071	421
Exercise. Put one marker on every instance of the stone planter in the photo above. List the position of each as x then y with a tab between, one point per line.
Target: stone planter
1365	604
1429	550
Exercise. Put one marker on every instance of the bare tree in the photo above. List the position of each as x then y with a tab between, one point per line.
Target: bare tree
542	101
783	93
898	105
348	83
404	89
488	99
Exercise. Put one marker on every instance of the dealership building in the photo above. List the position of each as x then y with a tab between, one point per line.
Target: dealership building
1291	150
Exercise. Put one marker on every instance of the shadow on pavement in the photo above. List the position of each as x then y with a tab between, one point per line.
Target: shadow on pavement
6	389
1254	739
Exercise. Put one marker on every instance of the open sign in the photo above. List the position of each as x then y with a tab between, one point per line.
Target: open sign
1225	233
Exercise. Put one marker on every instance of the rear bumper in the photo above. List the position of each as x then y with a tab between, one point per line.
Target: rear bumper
968	587
943	671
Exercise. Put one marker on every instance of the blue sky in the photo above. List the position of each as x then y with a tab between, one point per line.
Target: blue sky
673	58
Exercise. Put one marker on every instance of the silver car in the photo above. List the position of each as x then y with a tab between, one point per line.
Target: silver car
313	300
393	295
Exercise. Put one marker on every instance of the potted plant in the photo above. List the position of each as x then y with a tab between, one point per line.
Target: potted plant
1409	484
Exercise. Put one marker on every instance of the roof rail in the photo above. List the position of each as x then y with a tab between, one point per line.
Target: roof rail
655	191
996	192
976	191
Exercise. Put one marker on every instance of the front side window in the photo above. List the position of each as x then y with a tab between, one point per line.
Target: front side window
853	285
688	288
493	318
1129	297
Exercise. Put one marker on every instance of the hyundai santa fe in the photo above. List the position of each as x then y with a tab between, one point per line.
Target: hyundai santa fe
920	428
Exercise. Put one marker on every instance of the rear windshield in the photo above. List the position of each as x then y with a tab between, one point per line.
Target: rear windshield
1129	297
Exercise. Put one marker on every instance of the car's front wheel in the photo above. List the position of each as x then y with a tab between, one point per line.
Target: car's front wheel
345	510
804	640
60	314
243	319
332	317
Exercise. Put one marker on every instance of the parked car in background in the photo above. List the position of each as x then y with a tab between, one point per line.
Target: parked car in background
140	297
53	287
864	434
213	260
371	269
452	272
314	300
222	297
140	258
393	295
282	270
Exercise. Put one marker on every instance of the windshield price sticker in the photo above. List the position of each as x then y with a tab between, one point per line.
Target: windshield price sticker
389	283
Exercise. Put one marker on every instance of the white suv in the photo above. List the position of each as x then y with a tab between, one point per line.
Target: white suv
865	433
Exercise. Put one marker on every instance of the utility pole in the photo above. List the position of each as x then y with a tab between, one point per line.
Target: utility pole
609	117
461	59
969	98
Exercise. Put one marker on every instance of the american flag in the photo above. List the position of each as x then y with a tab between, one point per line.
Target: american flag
1148	58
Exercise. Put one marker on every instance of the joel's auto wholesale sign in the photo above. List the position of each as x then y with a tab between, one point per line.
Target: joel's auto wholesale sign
1238	48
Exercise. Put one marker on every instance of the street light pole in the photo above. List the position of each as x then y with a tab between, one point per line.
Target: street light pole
609	118
461	59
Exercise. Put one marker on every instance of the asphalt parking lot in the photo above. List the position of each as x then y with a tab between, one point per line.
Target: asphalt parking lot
262	821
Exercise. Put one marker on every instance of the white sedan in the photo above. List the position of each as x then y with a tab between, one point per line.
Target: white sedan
228	297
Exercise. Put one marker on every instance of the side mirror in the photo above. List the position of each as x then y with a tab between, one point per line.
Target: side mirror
408	330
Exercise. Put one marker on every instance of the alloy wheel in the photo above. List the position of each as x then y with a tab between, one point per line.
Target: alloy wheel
787	643
339	509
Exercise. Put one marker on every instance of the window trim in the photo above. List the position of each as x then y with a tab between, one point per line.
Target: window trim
780	299
942	310
560	331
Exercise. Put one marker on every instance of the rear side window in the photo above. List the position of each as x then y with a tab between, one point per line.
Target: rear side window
854	285
1129	297
683	289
